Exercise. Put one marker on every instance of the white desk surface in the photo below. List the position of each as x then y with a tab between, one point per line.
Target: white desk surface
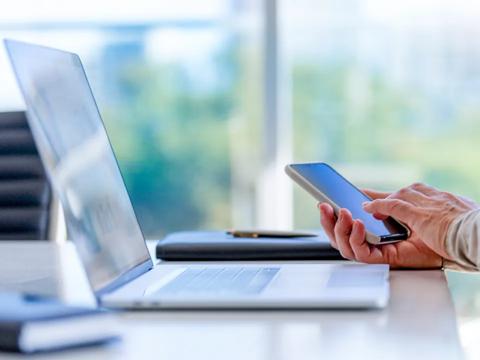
419	323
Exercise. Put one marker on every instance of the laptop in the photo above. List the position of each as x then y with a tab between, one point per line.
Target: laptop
75	149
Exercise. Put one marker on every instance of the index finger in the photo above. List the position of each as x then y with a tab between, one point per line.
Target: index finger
399	209
374	194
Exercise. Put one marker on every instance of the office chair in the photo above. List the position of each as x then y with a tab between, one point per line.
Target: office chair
25	195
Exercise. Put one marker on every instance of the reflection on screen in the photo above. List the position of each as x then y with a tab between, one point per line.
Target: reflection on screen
345	195
77	154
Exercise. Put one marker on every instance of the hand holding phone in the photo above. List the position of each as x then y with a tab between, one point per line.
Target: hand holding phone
327	185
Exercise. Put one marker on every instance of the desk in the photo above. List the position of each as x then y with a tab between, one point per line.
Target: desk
418	324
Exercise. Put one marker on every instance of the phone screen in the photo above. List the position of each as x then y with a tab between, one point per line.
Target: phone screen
345	195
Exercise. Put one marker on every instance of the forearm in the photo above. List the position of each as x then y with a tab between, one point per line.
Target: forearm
463	241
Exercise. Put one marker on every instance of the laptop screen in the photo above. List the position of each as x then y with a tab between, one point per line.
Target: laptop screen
80	163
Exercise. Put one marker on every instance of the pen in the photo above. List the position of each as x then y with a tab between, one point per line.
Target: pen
268	233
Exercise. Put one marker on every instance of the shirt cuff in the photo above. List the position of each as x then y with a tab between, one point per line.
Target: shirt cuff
463	242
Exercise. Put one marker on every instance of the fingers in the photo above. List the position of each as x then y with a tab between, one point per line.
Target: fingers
327	220
362	250
338	231
417	194
360	246
380	216
424	189
411	195
348	236
399	209
342	231
373	194
468	201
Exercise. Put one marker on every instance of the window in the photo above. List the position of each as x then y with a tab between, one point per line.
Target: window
205	103
388	93
179	86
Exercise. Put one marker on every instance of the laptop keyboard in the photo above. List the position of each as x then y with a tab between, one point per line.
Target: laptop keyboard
219	281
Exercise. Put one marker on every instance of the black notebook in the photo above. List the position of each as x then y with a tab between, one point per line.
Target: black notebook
219	245
30	323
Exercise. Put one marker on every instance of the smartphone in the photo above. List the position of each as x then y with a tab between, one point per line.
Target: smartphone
327	185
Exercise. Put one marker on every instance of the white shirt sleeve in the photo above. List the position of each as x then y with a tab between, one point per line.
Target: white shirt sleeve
463	241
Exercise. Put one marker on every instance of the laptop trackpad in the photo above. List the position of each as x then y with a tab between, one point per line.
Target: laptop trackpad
342	278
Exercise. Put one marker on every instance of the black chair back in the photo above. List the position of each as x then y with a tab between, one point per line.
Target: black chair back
25	194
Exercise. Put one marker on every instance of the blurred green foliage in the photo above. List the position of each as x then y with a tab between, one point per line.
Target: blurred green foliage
171	143
174	138
344	114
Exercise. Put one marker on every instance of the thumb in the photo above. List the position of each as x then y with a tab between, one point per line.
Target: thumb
399	209
380	216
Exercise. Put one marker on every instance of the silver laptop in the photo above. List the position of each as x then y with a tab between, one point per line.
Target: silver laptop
81	165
